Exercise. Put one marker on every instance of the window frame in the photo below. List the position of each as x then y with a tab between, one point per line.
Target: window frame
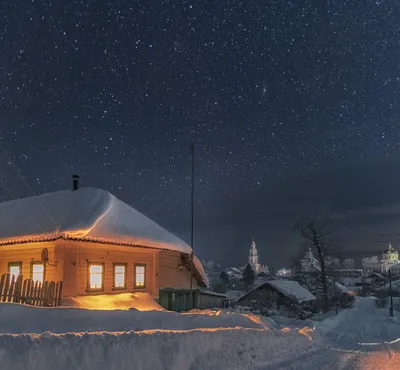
135	286
44	270
11	264
89	289
116	264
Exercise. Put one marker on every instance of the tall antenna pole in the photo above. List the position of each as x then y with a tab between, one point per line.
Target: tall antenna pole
192	228
391	295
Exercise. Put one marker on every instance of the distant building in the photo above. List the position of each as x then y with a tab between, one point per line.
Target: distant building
253	260
390	257
395	269
284	272
347	273
309	263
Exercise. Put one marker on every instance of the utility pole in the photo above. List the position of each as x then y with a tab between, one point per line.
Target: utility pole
192	230
390	292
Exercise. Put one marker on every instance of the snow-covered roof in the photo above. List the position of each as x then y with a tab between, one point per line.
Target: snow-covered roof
234	294
292	289
342	288
210	292
86	214
289	288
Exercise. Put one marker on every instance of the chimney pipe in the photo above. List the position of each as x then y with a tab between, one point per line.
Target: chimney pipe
75	182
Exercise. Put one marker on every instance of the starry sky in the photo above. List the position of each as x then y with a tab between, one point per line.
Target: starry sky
293	107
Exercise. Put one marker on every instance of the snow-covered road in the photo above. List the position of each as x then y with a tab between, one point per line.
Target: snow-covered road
35	338
366	338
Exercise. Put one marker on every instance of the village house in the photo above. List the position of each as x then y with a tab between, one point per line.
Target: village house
95	244
286	296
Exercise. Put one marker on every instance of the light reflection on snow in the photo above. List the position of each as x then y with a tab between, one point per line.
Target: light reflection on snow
306	331
380	343
124	301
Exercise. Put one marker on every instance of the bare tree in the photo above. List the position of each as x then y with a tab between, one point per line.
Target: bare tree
316	232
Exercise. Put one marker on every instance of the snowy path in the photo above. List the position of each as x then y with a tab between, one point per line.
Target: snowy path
366	338
35	338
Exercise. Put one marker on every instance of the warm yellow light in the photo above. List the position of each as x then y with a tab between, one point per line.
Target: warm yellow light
38	273
15	270
96	276
140	276
120	276
123	301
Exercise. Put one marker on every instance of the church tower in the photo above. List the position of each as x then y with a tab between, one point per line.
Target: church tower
253	256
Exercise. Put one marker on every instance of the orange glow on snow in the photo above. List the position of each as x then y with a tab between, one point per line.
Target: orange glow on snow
306	331
204	330
254	318
122	301
207	312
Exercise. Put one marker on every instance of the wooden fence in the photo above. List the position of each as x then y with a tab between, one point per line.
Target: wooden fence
18	290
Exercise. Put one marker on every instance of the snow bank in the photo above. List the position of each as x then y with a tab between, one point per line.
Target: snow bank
156	350
123	301
15	318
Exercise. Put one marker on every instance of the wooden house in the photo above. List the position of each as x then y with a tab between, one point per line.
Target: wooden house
95	244
287	296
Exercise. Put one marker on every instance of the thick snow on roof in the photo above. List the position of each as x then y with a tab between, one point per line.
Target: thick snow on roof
289	288
292	289
87	214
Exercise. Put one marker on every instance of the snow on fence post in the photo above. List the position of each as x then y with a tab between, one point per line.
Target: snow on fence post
45	293
28	293
52	291
2	286
11	288
17	290
6	287
60	294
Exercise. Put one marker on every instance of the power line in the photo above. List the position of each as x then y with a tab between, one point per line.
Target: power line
29	188
19	203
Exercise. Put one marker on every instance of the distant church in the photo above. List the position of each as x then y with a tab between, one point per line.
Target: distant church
253	260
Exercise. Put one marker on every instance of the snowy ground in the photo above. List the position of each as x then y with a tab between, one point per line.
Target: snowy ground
73	338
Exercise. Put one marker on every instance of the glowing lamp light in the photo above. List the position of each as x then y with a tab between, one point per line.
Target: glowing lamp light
38	273
96	276
140	276
120	276
15	270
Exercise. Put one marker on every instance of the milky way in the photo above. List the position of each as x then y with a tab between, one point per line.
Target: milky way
115	91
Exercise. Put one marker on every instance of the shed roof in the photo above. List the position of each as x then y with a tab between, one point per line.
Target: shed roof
289	288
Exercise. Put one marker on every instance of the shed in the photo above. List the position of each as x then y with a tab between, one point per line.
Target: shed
276	294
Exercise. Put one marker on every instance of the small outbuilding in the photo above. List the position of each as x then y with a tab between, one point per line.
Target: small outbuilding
284	295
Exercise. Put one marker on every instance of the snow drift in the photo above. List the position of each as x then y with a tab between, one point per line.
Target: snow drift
123	301
155	350
18	319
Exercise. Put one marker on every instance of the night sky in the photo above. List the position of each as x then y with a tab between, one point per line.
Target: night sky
293	107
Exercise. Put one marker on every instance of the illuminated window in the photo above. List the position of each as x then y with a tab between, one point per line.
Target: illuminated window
140	276
119	276
96	276
15	268
37	272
